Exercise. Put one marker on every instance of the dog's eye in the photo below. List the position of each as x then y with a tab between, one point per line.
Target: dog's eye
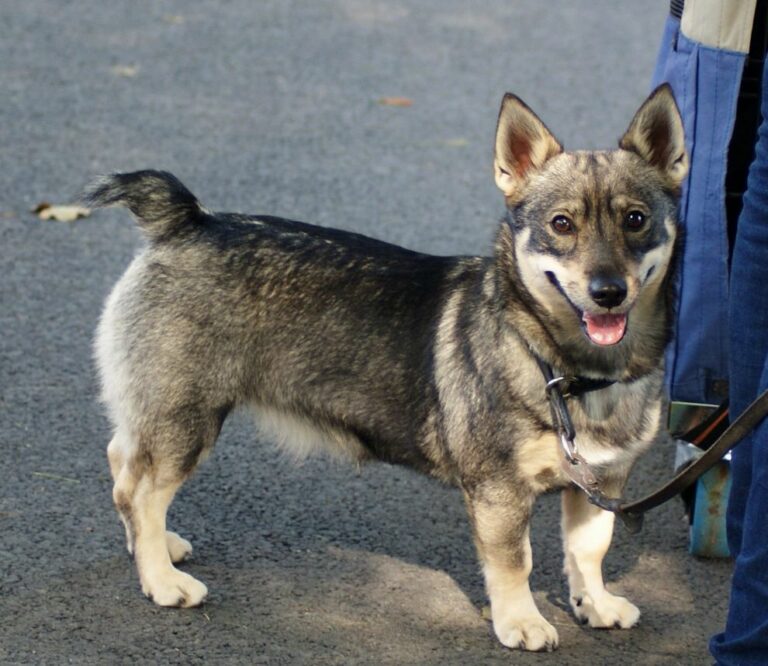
562	225
635	220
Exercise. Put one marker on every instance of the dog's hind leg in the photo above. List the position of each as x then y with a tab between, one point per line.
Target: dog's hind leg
122	491
501	534
118	452
587	532
148	472
160	580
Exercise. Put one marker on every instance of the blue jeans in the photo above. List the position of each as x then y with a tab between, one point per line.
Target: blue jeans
745	639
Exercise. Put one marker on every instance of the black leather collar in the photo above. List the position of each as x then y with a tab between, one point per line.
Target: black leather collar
576	386
572	386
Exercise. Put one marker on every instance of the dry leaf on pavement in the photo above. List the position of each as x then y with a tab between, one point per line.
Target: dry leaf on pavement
395	101
128	71
65	213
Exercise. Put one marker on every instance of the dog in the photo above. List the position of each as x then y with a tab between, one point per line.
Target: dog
367	350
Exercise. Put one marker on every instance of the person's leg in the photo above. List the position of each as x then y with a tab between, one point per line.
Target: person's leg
745	639
748	318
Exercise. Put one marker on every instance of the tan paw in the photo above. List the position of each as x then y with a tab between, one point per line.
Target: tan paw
606	612
175	588
529	632
179	549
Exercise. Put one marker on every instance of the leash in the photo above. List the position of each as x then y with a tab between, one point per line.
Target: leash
581	474
738	430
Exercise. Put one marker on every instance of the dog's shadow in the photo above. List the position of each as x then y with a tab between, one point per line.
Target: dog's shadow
270	502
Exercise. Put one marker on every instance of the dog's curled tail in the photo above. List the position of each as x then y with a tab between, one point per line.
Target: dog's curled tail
158	200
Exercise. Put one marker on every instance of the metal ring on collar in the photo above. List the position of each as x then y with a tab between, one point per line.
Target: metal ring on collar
554	382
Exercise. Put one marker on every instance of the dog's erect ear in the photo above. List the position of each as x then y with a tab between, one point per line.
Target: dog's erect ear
523	143
656	134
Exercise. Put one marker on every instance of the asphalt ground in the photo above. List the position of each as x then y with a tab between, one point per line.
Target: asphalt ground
274	107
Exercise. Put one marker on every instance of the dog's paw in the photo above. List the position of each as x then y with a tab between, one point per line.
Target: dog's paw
606	612
530	632
176	588
179	549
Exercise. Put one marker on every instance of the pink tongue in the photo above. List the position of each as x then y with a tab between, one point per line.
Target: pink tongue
605	329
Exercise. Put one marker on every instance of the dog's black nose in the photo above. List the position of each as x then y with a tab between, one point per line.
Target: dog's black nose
607	292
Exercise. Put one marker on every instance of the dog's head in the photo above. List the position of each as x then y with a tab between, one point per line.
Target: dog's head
592	233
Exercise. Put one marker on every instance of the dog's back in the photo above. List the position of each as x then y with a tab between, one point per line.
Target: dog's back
286	317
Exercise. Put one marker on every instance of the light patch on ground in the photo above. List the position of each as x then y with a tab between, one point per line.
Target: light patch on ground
373	13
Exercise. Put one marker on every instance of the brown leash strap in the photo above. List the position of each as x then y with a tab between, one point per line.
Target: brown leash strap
632	512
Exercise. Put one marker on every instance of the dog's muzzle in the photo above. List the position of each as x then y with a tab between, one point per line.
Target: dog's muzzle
602	329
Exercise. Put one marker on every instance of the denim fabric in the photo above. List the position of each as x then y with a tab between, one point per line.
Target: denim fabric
706	84
745	639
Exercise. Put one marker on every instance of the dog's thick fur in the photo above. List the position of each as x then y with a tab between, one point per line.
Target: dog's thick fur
375	351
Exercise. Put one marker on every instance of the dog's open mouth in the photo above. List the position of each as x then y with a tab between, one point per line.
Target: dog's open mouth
604	329
601	329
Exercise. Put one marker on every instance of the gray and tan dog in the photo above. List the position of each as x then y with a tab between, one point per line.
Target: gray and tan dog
341	342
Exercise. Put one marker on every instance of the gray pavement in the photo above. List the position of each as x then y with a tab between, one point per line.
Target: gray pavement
272	107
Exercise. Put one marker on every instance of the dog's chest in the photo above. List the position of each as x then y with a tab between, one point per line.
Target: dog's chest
539	460
609	444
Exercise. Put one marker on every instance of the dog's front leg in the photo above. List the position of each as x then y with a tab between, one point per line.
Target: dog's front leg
500	522
587	532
